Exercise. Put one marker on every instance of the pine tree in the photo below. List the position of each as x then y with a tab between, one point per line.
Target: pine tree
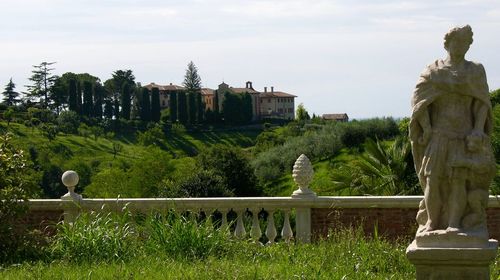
42	81
173	106
145	106
125	101
155	105
87	99
181	107
10	96
73	105
192	83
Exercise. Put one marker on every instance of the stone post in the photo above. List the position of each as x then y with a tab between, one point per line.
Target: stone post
302	175
71	199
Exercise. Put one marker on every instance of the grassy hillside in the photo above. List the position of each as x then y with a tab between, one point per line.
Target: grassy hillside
89	156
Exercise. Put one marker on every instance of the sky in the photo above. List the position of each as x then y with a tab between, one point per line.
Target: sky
362	58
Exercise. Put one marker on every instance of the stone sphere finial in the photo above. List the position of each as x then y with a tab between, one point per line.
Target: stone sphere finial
70	179
302	175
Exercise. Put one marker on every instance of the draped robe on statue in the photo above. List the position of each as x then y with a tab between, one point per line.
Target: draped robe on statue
434	157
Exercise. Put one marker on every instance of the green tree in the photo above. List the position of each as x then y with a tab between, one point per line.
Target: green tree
8	115
126	100
192	83
42	79
73	104
233	166
99	93
10	96
145	105
173	106
495	97
302	114
182	115
247	110
200	108
155	105
87	99
108	109
68	122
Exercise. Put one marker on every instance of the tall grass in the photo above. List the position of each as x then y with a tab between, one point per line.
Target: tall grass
95	237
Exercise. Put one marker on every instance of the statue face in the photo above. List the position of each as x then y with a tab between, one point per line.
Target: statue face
457	47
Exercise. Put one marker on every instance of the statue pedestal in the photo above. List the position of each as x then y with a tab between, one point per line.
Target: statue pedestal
452	263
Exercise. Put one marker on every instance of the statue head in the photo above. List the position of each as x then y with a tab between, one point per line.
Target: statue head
458	40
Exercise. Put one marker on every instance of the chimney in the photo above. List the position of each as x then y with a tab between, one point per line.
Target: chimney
272	89
265	89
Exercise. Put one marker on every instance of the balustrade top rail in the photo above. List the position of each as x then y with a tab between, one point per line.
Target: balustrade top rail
146	204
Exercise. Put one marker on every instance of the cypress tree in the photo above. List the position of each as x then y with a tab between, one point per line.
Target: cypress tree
98	97
108	109
200	108
87	99
79	97
155	105
173	106
125	101
247	108
73	104
116	107
145	106
181	107
191	108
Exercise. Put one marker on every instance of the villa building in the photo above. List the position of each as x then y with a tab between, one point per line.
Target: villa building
165	92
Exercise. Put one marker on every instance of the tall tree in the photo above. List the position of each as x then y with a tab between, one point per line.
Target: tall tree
79	97
200	108
58	94
10	96
247	108
42	80
182	107
73	105
173	106
302	113
87	99
126	100
145	105
155	105
192	83
99	93
108	109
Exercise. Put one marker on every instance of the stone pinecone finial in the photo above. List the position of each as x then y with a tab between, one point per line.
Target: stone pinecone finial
302	175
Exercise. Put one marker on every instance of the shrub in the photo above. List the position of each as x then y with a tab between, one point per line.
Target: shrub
68	122
233	166
152	136
17	182
202	183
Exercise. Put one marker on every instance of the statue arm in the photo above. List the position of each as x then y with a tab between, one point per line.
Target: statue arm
425	122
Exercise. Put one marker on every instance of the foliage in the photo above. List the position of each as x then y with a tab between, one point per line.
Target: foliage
237	109
42	80
178	128
8	115
302	114
49	131
68	122
95	237
155	105
495	97
381	171
126	101
145	105
17	182
134	178
43	115
233	166
201	183
152	136
173	106
182	114
10	96
73	104
185	238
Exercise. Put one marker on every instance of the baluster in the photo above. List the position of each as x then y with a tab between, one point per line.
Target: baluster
224	226
208	216
271	228
287	232
255	232
240	232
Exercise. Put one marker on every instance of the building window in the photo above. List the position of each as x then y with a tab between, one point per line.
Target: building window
269	100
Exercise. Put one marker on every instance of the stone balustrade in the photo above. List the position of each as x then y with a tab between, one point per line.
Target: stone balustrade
300	216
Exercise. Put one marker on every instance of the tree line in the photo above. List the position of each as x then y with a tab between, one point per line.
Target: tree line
121	97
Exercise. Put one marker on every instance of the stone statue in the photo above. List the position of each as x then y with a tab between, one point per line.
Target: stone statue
449	131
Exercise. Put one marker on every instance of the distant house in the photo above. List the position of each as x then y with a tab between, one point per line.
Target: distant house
208	97
336	117
266	104
277	104
165	91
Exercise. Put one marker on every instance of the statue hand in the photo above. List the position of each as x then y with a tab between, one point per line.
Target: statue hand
478	133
